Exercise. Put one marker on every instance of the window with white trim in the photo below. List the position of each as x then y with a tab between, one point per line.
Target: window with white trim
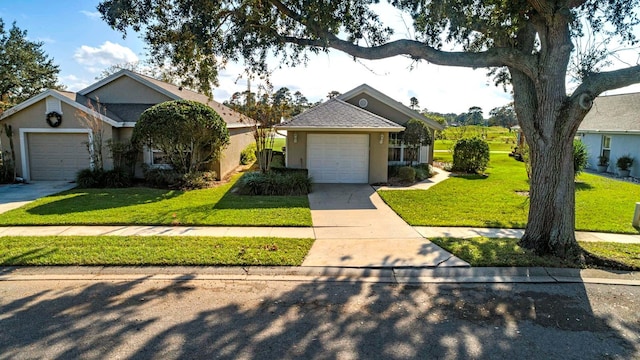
606	146
398	151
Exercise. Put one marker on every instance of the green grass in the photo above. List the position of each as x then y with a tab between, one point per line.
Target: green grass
151	250
602	204
279	143
145	206
493	145
482	251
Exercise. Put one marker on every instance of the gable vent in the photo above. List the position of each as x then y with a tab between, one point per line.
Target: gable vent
54	104
363	103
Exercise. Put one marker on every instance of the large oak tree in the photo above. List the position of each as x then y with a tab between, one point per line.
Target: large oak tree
528	43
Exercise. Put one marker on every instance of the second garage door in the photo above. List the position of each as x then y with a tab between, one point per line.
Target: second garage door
338	158
57	156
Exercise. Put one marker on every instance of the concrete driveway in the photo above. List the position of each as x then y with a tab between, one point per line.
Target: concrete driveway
13	196
355	228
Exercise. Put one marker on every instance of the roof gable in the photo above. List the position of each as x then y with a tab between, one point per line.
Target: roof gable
173	92
336	114
613	113
365	91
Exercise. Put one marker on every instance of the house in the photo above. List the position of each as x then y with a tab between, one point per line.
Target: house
51	141
352	138
612	129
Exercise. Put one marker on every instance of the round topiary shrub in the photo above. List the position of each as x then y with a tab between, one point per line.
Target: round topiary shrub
190	134
470	156
407	174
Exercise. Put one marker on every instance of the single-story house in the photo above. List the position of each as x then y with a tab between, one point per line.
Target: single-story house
612	129
352	138
50	139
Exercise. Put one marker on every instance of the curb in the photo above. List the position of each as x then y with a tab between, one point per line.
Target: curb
476	275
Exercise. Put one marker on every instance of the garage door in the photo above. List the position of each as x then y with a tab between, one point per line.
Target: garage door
57	156
338	158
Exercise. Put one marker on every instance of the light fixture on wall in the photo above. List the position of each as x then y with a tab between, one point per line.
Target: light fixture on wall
295	138
381	138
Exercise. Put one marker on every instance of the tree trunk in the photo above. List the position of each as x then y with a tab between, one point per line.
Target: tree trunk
551	223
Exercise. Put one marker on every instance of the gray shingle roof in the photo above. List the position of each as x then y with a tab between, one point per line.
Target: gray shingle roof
337	114
613	113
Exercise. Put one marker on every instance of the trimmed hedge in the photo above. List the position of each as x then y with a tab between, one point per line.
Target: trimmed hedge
274	183
116	178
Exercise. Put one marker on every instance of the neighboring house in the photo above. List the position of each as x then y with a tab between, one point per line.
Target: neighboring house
612	129
49	151
352	138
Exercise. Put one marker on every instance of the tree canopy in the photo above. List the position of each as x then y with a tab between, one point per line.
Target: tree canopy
189	133
527	43
25	69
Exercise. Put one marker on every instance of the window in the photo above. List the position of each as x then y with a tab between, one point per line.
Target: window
398	153
606	146
158	157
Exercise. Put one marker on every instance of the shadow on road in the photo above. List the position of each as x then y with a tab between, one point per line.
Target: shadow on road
284	320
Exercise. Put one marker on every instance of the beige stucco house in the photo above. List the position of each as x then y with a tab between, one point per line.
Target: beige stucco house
352	138
54	148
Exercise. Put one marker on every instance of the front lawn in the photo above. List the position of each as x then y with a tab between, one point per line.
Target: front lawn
500	200
152	250
146	206
482	251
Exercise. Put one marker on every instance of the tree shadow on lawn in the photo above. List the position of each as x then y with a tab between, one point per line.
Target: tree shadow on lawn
309	320
101	199
583	186
231	200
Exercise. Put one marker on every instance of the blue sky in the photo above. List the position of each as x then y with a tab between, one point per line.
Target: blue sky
82	44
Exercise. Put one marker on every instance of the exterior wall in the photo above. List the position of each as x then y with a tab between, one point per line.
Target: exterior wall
378	153
125	90
621	144
32	119
379	108
239	138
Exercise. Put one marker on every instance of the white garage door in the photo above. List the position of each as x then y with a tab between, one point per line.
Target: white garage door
57	156
338	158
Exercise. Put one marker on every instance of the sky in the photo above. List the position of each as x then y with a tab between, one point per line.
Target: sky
83	45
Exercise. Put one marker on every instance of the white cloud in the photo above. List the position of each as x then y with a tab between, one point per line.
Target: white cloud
74	83
108	54
91	14
437	88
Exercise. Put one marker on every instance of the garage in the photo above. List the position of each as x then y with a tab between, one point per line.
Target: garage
57	156
338	158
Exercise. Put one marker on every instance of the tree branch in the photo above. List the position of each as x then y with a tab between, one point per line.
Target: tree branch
597	83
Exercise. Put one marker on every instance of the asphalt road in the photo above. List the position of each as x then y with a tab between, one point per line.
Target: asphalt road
323	320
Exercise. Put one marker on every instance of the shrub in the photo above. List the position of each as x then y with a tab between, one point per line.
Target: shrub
422	174
88	178
273	183
191	134
162	178
580	156
407	173
248	155
197	180
117	178
282	170
97	178
624	162
124	155
470	155
277	160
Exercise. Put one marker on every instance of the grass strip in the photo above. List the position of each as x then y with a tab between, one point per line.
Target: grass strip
483	251
146	206
152	250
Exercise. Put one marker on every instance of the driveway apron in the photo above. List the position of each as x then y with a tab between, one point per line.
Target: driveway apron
13	196
355	228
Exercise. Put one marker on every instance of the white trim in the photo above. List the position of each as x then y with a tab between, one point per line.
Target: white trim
24	152
49	92
612	132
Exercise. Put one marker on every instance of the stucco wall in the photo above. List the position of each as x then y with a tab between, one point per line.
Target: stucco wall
379	108
239	138
32	119
621	144
125	90
378	153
